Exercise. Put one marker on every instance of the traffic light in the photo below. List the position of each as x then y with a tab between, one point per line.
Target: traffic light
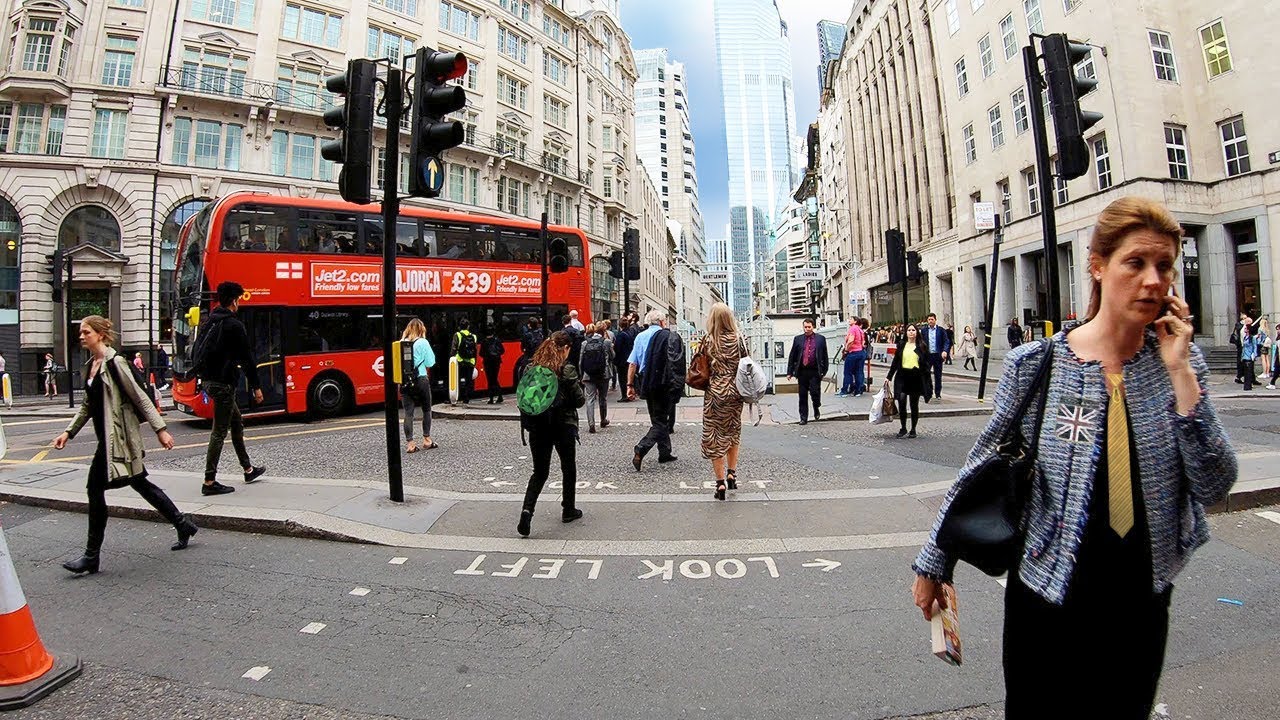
1065	89
631	250
895	252
558	261
433	98
615	264
913	265
354	150
58	268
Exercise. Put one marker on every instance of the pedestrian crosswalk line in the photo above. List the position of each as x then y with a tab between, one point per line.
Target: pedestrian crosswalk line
398	561
1269	515
313	628
257	673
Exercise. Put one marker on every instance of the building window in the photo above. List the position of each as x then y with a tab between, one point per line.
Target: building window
559	209
464	184
1069	5
294	155
39	47
1102	161
986	56
109	128
970	144
1217	56
1085	69
555	111
513	45
226	12
997	126
117	66
215	145
608	182
1030	181
555	30
511	138
471	80
953	16
513	196
1235	145
470	124
312	26
1175	147
1009	36
513	92
962	78
380	171
1005	200
38	130
459	20
1162	56
1059	184
555	68
977	4
384	43
302	88
520	8
128	3
1021	120
404	7
214	72
1035	23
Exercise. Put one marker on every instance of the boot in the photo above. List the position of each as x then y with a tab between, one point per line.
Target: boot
526	518
185	529
86	564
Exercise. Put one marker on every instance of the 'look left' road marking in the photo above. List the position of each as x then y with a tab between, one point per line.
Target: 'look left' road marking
1269	515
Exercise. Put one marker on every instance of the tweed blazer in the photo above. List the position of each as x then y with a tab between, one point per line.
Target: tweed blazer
121	405
1184	462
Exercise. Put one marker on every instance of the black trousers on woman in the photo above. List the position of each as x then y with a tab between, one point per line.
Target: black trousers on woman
913	400
99	483
561	439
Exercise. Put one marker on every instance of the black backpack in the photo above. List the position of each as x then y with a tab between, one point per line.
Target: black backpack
202	352
531	340
595	357
409	379
137	380
493	348
466	346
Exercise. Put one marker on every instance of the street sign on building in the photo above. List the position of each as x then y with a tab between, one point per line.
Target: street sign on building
715	276
806	274
984	215
882	297
860	297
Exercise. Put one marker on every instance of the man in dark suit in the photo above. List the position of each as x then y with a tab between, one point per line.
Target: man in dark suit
808	364
939	346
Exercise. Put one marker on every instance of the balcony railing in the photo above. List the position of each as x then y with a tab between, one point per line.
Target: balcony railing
233	85
520	152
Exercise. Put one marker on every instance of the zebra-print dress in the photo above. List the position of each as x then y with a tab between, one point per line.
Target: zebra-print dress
721	405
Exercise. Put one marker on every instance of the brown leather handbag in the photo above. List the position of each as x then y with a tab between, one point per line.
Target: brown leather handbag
699	375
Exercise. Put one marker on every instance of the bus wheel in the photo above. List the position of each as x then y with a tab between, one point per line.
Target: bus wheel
328	396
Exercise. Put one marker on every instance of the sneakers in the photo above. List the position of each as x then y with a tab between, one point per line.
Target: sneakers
215	488
604	423
1271	386
522	527
591	429
902	432
667	459
253	475
569	516
911	434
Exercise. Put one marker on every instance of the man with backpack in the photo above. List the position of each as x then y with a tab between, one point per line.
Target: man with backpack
221	352
493	351
597	358
657	371
530	339
623	341
575	353
464	350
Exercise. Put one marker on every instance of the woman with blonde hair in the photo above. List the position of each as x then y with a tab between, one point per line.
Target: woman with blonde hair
1128	453
418	395
721	404
113	401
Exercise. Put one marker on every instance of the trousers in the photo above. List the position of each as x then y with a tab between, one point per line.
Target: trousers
411	405
810	389
561	439
99	479
226	417
662	416
597	391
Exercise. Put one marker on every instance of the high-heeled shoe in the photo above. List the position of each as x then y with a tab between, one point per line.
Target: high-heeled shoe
86	564
720	489
186	529
732	478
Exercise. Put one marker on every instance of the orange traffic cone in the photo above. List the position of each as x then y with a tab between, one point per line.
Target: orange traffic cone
27	671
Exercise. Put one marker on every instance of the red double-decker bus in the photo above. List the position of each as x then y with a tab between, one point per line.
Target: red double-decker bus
312	273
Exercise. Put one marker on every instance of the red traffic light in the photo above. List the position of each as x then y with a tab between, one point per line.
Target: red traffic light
444	66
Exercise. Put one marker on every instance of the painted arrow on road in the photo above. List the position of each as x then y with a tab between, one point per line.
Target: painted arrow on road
826	565
500	483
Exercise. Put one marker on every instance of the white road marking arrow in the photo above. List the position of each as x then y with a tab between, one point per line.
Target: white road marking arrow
500	483
826	565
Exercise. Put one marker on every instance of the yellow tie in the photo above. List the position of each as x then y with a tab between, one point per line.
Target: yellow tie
1120	485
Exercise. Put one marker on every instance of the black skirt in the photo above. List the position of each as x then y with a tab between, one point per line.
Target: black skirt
909	381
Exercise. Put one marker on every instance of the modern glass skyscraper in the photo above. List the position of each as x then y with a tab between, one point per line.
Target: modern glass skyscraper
754	56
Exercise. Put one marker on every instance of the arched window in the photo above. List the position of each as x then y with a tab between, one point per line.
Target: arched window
10	249
91	224
169	233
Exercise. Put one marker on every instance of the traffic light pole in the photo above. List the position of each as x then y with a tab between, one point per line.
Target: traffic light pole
1048	190
393	100
991	306
546	258
71	337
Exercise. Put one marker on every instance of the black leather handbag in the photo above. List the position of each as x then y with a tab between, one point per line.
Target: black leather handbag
982	524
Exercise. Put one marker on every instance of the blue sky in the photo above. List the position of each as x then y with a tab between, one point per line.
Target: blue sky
685	28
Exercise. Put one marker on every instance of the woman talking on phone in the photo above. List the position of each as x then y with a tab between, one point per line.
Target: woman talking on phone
1130	452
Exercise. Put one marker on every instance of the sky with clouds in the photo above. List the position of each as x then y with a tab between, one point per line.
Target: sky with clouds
685	27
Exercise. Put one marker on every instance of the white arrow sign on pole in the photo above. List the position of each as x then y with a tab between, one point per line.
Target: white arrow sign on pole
826	565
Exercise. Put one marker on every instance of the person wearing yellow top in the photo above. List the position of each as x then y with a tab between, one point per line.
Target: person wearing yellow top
908	377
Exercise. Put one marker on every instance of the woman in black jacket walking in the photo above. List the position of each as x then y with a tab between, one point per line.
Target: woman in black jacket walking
557	431
908	375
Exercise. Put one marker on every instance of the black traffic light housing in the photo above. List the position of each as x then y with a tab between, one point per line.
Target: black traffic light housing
913	265
354	149
433	98
631	252
558	255
1070	123
58	267
896	253
615	264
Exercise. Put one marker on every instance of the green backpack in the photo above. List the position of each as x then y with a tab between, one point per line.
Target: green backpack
537	395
